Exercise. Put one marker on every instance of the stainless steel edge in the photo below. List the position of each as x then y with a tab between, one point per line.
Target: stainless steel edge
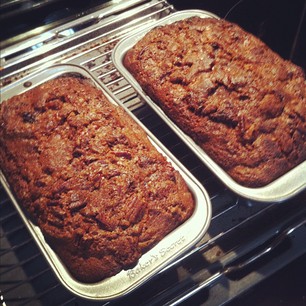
120	6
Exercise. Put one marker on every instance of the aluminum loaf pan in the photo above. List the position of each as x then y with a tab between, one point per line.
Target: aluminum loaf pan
286	186
175	244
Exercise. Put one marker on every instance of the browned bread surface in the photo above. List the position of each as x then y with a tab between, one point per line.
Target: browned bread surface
89	177
240	101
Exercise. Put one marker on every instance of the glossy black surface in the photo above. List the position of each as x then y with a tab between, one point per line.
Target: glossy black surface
280	24
287	287
19	17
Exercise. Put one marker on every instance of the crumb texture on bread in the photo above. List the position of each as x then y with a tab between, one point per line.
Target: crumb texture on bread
242	103
89	177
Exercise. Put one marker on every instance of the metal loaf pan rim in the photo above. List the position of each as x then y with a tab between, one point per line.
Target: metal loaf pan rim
175	244
281	189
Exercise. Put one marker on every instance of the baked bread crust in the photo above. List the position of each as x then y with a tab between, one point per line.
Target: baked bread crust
242	103
89	177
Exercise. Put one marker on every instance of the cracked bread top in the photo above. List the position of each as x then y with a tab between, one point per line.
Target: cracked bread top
240	101
89	177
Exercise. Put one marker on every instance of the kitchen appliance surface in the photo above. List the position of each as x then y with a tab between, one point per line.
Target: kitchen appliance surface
247	241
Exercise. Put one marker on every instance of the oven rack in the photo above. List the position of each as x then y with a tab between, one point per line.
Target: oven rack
239	229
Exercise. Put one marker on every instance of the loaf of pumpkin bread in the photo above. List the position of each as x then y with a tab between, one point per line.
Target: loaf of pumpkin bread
238	100
88	176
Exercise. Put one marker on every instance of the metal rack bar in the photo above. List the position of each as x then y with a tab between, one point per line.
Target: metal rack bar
91	48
